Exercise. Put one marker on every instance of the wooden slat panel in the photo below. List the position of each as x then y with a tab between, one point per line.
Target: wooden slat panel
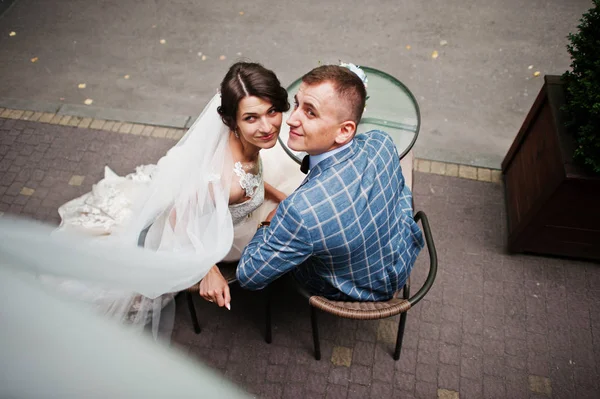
533	174
552	240
550	210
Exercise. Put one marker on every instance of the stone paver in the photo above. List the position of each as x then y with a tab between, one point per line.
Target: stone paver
540	385
341	356
85	123
439	168
97	124
484	174
76	180
452	170
493	325
423	165
467	172
447	394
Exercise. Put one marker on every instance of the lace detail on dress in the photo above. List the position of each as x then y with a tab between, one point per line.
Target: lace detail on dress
248	181
108	205
255	189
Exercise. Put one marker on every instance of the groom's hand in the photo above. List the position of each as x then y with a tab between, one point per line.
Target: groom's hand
214	288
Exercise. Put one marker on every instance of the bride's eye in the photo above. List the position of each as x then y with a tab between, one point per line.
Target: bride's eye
249	119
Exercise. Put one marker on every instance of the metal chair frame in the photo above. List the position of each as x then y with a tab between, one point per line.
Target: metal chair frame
398	308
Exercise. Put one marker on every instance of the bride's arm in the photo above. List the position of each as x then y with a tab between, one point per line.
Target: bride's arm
271	193
173	218
213	286
234	196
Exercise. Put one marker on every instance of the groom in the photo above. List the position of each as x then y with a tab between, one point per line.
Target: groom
347	232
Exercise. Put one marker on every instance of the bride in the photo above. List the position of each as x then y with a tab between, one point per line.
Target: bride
202	191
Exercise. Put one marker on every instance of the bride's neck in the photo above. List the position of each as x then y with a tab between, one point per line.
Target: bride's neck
249	152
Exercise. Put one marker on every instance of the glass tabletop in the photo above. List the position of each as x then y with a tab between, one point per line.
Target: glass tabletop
391	107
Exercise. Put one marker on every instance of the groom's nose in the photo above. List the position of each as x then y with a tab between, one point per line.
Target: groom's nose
293	120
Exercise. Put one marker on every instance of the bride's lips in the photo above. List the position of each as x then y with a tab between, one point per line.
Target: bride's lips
267	138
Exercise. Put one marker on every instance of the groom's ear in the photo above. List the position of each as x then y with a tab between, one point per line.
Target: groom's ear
346	132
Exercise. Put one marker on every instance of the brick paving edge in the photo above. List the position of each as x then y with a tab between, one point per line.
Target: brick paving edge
175	133
89	111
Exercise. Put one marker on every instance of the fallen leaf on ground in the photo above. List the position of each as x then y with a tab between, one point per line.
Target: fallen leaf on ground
62	99
154	26
126	77
81	85
239	53
34	59
203	58
536	73
241	13
435	54
12	34
443	42
88	101
199	53
530	67
408	47
222	57
162	41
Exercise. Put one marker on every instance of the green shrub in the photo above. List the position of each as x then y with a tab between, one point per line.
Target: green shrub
583	89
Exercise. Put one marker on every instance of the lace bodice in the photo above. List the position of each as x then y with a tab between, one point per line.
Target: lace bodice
248	181
254	187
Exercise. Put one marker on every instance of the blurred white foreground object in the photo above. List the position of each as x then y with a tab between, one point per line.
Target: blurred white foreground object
53	348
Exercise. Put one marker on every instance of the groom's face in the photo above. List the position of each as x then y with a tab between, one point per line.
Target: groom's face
316	122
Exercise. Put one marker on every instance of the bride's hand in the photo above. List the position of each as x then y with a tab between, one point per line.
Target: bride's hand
271	193
214	288
271	214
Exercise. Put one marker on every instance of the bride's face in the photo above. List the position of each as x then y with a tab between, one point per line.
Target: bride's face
258	122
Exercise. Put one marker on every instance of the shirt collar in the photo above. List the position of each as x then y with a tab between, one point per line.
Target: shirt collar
315	159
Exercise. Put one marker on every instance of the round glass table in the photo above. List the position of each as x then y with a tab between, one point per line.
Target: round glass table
391	107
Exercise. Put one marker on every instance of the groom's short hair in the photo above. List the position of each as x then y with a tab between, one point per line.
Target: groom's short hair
349	87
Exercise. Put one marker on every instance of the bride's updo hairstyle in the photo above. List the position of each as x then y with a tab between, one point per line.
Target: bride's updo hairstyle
246	79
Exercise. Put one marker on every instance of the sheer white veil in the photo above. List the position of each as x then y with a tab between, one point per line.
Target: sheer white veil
185	207
186	204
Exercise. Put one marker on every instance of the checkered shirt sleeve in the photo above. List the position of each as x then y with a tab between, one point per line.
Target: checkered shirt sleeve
348	232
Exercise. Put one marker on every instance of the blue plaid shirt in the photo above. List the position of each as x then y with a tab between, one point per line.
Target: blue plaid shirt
346	233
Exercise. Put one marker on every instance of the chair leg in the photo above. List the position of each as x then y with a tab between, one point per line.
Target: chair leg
315	331
268	332
401	325
192	308
400	336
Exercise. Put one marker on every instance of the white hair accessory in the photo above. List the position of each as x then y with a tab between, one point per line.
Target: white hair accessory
357	70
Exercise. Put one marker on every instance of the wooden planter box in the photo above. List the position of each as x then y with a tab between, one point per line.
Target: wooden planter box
553	206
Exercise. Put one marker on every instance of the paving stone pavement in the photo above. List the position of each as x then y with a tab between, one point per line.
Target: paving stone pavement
493	326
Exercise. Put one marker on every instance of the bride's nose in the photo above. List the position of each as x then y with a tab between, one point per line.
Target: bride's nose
265	126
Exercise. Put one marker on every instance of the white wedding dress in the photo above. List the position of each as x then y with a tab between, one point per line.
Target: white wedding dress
191	183
110	204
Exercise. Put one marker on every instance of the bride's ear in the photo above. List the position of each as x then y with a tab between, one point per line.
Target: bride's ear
346	132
